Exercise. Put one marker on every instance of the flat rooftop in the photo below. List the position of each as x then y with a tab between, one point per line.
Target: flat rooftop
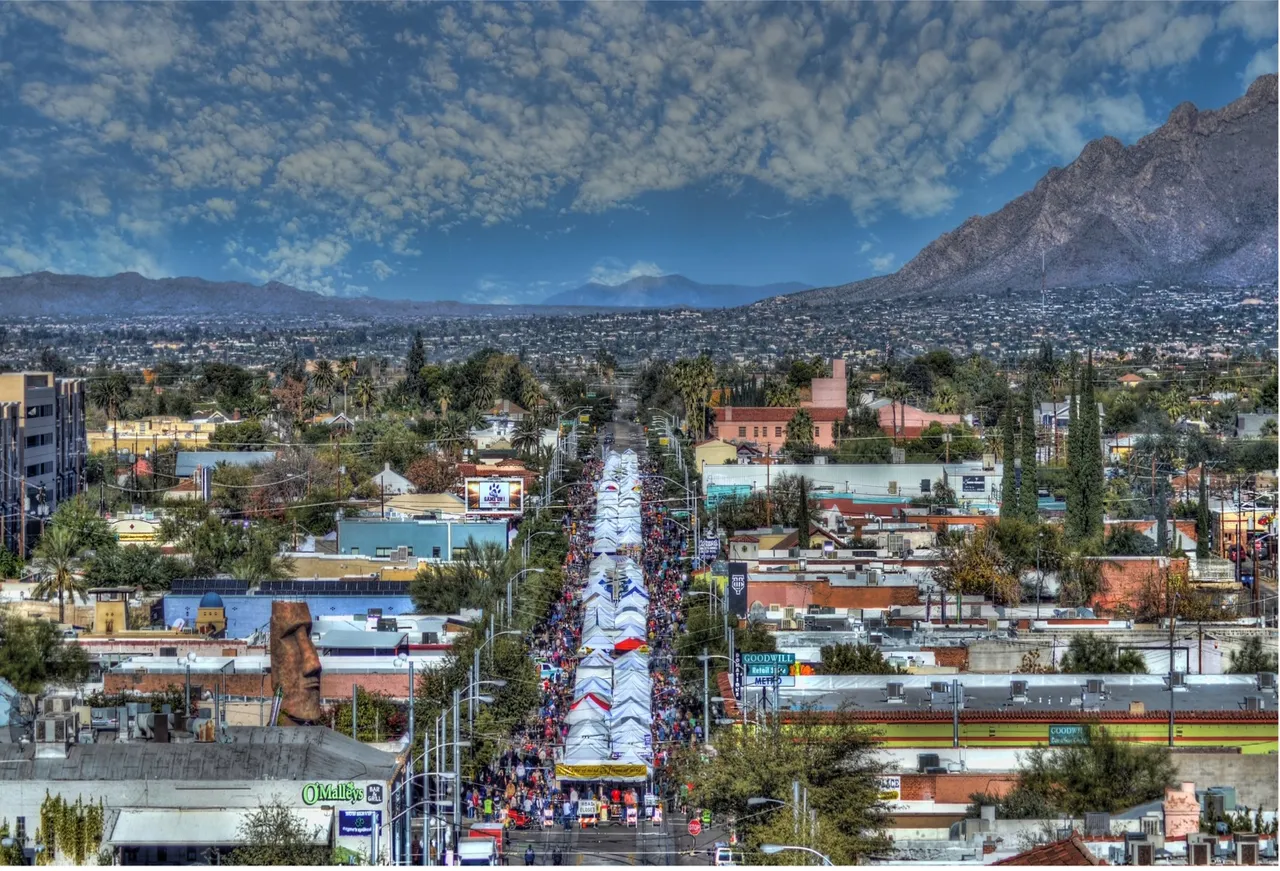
253	753
1044	693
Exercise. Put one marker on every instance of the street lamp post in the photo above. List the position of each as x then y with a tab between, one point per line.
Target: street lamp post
191	657
706	657
402	659
513	578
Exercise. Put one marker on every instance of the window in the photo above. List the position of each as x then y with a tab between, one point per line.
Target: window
742	432
435	553
45	438
817	432
777	432
408	551
40	411
382	551
39	469
755	432
355	551
459	553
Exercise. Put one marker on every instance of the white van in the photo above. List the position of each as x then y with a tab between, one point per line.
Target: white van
477	851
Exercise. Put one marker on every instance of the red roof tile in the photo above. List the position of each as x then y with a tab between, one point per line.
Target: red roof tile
1070	851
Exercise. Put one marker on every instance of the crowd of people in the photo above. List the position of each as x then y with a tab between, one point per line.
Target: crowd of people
520	786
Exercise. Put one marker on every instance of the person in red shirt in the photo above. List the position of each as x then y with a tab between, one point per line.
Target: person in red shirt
617	795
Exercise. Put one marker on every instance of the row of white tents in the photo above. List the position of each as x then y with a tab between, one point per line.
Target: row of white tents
609	720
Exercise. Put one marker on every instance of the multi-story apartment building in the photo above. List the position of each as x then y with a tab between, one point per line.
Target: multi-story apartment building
43	440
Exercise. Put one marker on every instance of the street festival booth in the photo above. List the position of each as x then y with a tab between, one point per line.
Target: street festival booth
601	746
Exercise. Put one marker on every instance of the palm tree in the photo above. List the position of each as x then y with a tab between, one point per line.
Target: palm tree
109	391
57	557
451	429
346	371
945	399
527	436
323	377
897	393
782	396
311	405
366	394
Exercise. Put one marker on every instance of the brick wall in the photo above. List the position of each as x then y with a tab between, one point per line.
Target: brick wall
954	788
950	657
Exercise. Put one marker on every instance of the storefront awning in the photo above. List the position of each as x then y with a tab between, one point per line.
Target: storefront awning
144	827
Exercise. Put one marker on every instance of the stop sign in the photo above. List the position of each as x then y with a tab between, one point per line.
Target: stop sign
695	827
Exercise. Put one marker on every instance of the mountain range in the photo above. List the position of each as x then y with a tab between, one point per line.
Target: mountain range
1193	201
669	291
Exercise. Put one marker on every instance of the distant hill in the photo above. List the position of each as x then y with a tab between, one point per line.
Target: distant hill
1195	200
129	295
670	291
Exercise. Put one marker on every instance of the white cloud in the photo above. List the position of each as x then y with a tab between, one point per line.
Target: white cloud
1262	63
613	272
382	270
342	129
882	263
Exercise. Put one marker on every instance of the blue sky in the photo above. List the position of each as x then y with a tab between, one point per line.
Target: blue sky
504	152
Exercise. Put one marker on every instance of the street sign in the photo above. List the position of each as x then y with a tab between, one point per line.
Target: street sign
767	670
695	828
706	817
709	548
778	681
783	659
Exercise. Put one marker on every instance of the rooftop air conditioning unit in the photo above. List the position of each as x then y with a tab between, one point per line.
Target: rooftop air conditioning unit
1096	685
169	651
1246	849
57	705
940	686
1177	680
925	761
1153	824
402	553
1097	824
1267	681
1018	690
895	691
975	611
1199	849
1254	703
1140	852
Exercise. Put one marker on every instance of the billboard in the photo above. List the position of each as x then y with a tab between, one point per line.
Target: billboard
736	592
973	484
495	495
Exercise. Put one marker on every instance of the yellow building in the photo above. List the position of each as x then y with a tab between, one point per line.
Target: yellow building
714	452
1246	525
160	431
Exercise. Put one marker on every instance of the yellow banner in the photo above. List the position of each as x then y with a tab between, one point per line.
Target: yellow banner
601	772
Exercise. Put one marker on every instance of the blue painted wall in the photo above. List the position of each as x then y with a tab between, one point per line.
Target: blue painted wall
424	536
247	613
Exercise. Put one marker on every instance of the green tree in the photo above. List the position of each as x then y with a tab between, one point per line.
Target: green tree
32	654
1091	654
109	391
1104	774
413	366
1089	465
275	835
135	566
378	717
1008	449
1028	498
799	443
855	659
1203	522
80	518
57	562
246	435
1125	540
1252	657
838	768
804	512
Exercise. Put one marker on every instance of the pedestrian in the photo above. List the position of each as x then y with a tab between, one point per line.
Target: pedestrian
528	855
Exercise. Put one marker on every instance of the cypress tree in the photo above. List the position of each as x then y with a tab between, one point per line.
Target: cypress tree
1028	497
1162	520
413	364
1091	482
1075	510
1202	517
1008	447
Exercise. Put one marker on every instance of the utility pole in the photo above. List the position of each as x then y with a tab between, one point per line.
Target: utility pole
1169	600
706	697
